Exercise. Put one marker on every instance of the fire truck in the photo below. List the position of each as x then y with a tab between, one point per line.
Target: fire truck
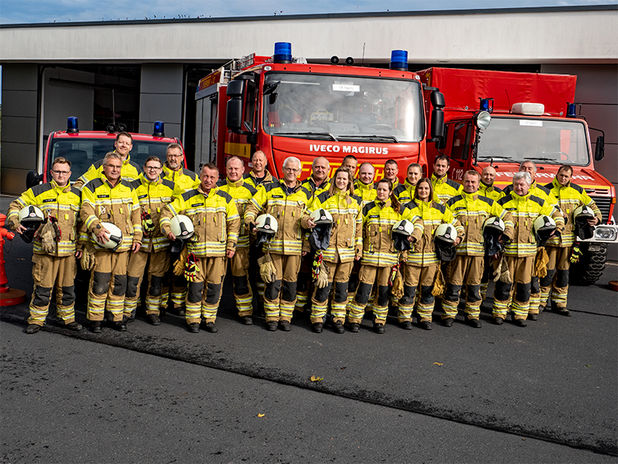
285	106
504	118
82	148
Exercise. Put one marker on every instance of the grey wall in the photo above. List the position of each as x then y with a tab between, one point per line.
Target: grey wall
67	92
161	97
19	125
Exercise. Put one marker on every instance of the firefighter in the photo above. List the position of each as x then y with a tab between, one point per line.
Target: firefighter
391	171
364	186
241	192
379	257
560	249
318	181
351	164
487	187
55	248
421	264
183	180
122	147
405	191
466	271
338	255
153	259
216	224
287	200
443	188
523	208
111	200
258	174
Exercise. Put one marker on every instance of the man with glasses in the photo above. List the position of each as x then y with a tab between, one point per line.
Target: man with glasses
122	147
110	199
53	259
287	200
153	193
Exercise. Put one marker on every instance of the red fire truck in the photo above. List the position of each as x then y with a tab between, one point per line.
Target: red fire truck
503	118
285	106
82	148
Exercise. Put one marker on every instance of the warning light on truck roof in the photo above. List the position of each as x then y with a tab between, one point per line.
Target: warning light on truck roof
72	127
399	60
159	129
283	52
571	110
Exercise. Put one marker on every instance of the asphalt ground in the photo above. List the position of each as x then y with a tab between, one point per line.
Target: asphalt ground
554	381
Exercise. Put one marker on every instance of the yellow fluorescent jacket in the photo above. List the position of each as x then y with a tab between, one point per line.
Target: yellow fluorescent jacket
367	192
254	182
444	188
241	192
129	171
183	179
490	191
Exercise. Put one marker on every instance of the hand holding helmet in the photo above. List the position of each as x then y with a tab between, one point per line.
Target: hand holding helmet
30	219
444	240
402	235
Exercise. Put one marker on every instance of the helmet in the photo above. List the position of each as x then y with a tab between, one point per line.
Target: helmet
444	239
319	238
115	236
181	226
400	233
266	227
31	218
543	227
583	230
493	228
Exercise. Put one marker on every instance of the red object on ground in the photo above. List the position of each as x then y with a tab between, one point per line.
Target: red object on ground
613	285
8	296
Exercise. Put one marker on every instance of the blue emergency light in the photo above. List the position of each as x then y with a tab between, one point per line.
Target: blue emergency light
487	104
72	127
399	60
571	110
283	52
159	129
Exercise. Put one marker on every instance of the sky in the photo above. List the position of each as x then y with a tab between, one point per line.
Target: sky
49	11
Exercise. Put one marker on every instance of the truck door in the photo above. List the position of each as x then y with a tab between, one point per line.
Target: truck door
206	130
460	148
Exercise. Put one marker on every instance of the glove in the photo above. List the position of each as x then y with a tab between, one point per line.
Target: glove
438	285
268	273
147	224
576	254
179	264
87	261
191	268
47	234
397	288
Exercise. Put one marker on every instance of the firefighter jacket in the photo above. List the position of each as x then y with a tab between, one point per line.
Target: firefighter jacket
309	184
444	188
183	179
152	197
102	202
215	220
490	191
379	217
254	181
537	190
61	203
367	192
570	197
346	238
129	172
241	192
521	212
433	214
471	210
405	192
289	207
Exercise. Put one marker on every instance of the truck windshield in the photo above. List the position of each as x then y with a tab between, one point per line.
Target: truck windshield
82	152
346	108
543	140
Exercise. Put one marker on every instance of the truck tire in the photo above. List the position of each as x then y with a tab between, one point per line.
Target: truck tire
590	267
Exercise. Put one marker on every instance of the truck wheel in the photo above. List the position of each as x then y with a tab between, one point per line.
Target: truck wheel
590	266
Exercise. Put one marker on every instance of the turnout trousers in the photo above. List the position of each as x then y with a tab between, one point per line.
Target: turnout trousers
154	264
368	275
520	285
339	276
555	284
280	295
204	294
464	271
421	279
49	273
108	285
243	295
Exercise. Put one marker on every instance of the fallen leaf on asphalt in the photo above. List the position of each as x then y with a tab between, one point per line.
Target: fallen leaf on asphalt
315	378
439	364
260	414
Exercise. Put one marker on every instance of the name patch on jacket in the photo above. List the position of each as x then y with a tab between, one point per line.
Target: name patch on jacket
277	196
197	204
102	196
49	200
142	196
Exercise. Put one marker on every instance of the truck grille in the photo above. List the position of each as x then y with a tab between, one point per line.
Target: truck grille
603	203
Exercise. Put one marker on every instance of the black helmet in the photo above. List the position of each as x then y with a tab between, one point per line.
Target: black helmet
319	238
493	228
400	233
583	230
444	240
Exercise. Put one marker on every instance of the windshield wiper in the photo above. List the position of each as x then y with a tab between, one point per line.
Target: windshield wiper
499	157
270	87
390	138
310	134
541	158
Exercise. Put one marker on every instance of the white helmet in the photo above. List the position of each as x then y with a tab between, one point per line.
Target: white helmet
115	236
583	211
321	216
31	214
583	230
494	222
493	228
400	233
444	238
543	227
181	226
445	233
266	227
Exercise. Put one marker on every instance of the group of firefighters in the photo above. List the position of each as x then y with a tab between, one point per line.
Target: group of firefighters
346	242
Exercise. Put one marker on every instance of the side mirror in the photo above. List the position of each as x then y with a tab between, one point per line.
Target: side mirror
437	99
437	124
599	149
233	117
33	178
235	88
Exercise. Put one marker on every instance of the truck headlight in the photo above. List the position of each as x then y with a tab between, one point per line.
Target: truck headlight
605	233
